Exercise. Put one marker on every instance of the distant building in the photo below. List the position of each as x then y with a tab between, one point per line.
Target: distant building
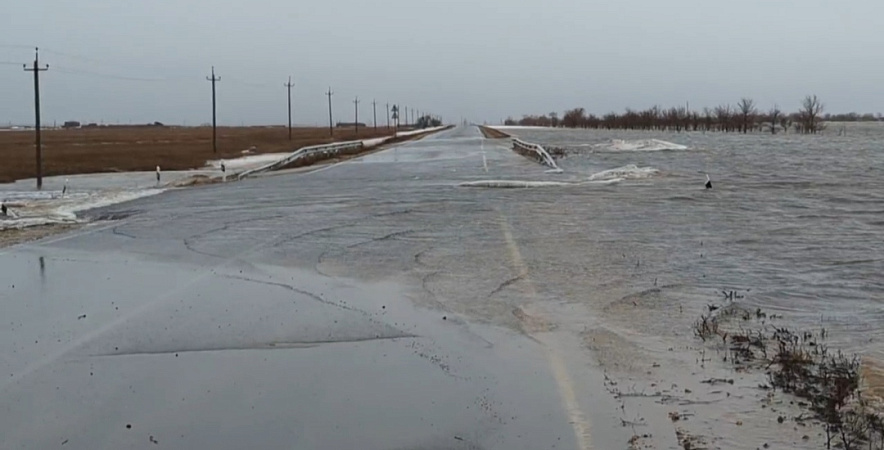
350	124
71	124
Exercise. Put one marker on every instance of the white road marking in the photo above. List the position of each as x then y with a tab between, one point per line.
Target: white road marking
579	422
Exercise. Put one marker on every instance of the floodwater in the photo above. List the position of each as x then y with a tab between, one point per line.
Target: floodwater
604	266
795	223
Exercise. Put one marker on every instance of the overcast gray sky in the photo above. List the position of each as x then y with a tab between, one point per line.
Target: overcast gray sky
140	61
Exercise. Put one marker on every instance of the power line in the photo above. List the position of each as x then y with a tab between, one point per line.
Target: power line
27	47
109	76
74	56
91	60
246	83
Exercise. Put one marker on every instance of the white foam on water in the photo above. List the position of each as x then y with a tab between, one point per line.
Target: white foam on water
640	145
424	130
627	172
44	208
611	181
374	142
519	127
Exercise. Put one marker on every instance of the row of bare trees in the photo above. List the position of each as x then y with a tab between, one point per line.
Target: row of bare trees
744	117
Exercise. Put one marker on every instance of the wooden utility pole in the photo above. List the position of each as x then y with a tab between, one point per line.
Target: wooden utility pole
374	109
289	86
213	79
39	143
388	115
331	130
356	107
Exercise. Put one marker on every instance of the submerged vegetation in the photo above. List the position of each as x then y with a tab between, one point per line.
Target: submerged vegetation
744	117
800	364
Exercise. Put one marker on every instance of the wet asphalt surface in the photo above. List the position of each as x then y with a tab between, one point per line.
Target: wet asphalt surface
372	304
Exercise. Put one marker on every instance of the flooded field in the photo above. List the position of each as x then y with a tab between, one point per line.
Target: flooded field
794	222
794	226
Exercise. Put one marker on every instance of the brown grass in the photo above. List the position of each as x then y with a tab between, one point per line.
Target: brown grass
17	236
133	148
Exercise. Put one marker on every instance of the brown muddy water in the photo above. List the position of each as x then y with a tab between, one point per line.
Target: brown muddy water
794	225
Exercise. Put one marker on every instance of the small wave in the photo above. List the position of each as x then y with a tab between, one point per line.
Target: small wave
641	145
682	198
630	171
611	181
512	184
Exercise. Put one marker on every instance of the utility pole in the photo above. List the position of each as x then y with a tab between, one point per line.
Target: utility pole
388	115
396	116
406	114
213	79
374	109
331	131
289	86
356	107
39	144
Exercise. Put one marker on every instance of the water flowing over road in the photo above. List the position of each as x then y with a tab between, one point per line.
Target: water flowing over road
369	304
411	298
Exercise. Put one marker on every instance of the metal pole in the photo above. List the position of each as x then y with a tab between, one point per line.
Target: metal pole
374	108
39	143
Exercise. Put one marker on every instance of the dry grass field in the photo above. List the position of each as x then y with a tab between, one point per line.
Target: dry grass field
134	148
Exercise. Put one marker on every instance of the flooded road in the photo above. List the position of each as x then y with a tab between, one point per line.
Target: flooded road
371	304
413	298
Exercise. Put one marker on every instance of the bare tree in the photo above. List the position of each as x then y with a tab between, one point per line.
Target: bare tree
809	115
747	113
774	117
574	118
723	114
554	119
708	119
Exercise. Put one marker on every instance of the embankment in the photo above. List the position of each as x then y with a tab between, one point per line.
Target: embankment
310	156
491	133
529	150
